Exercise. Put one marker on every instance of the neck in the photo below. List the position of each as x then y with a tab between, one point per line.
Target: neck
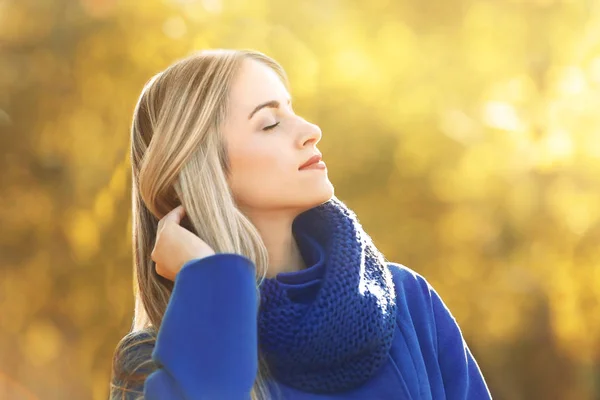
275	228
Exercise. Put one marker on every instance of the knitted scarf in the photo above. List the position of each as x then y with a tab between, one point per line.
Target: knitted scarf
341	339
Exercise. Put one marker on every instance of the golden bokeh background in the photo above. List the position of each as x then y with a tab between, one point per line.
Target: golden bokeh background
465	134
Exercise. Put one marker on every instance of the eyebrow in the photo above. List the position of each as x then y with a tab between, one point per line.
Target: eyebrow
270	104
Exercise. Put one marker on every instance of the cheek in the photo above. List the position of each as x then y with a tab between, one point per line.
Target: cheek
258	173
252	160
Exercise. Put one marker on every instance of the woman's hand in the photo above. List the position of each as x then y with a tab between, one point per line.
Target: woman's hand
175	245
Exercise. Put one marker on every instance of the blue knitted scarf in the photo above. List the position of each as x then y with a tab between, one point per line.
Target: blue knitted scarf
340	340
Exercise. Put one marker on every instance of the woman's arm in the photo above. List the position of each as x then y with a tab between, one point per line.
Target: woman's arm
160	385
206	347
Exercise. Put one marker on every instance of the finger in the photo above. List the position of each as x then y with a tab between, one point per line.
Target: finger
165	274
153	253
175	215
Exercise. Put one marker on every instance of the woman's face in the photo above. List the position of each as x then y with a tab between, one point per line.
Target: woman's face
267	145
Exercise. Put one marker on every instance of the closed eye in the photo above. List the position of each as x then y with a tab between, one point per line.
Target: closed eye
270	127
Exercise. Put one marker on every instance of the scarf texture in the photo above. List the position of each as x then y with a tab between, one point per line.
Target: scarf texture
340	339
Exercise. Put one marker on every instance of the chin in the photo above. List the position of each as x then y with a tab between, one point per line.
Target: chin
296	200
329	194
317	197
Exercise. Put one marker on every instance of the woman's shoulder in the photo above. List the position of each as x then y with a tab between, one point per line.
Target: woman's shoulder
414	294
406	278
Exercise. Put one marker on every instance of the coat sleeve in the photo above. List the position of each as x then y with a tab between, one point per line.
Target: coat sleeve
206	347
160	385
461	375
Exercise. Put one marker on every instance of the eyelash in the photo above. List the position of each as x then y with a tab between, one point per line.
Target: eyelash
270	127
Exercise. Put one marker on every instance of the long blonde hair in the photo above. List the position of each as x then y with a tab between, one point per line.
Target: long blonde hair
179	156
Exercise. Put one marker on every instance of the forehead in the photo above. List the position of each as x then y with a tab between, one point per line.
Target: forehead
255	84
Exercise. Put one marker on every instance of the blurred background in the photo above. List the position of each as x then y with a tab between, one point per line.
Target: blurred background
465	134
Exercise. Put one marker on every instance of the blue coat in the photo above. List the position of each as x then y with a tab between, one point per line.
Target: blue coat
206	347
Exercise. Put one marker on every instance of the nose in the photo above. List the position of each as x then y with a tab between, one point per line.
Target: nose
310	134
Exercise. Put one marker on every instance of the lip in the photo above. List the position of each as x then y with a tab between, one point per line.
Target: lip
313	160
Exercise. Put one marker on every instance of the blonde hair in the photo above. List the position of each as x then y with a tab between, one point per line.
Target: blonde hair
179	156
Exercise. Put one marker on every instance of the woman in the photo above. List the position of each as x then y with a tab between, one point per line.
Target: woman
253	279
